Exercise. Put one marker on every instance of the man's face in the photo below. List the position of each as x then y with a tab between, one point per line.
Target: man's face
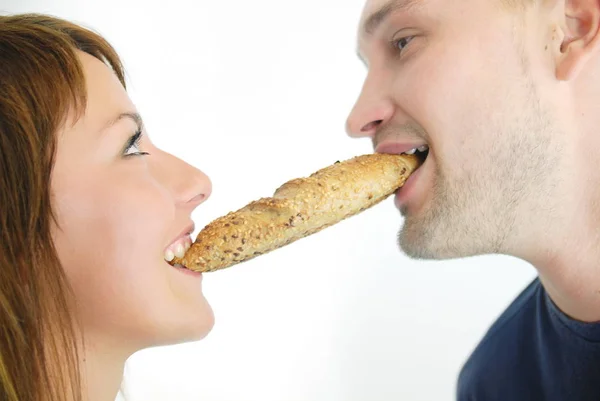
468	78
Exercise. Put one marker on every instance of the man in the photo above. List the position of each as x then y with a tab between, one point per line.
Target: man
502	99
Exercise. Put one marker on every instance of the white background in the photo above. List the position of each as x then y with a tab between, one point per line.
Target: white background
256	93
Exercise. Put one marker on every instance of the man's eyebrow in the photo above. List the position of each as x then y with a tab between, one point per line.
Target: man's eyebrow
134	116
375	19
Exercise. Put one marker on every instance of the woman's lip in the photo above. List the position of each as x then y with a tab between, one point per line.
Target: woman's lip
184	233
185	270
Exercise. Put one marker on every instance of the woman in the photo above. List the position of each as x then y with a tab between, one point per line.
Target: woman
89	211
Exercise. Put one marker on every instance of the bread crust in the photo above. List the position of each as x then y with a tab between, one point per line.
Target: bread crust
298	208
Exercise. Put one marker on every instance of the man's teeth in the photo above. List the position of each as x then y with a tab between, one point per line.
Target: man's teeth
422	148
177	249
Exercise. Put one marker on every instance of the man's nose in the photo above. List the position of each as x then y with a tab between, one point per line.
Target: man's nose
372	109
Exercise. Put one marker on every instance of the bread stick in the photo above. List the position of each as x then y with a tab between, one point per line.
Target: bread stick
298	208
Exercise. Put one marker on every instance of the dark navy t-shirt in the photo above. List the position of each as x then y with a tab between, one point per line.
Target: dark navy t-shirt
534	352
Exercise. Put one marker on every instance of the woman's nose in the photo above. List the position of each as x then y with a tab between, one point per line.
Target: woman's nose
189	185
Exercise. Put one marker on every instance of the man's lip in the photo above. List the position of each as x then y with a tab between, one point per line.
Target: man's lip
397	147
405	193
184	233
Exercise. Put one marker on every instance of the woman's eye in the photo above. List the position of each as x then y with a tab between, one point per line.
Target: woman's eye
132	150
133	146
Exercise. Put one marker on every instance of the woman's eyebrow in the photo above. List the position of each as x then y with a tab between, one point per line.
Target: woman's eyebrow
134	116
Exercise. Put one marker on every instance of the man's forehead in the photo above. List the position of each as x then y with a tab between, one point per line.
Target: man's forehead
375	11
373	5
369	8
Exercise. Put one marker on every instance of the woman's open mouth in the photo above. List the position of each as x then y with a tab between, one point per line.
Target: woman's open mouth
177	250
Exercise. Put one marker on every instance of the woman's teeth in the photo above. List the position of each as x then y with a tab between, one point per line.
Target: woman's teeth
178	249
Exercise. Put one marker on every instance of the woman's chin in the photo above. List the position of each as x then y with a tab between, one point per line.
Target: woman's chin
188	323
197	326
203	328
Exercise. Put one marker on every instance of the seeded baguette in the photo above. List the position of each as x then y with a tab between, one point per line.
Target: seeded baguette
298	208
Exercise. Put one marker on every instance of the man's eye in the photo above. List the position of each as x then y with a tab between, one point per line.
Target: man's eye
400	44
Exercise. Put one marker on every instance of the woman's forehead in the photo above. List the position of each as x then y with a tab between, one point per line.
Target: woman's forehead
106	96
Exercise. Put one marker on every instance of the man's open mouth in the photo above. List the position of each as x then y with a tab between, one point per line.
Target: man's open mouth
421	152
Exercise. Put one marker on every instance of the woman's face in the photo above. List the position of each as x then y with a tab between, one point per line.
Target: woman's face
120	213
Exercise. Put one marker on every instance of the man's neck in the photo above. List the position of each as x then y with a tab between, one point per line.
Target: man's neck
565	249
577	297
569	267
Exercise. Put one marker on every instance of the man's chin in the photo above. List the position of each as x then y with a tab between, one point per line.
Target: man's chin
414	249
413	241
427	248
418	244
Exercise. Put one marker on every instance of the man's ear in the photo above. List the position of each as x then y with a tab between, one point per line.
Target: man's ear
580	38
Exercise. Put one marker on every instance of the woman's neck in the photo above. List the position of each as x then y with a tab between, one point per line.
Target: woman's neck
102	367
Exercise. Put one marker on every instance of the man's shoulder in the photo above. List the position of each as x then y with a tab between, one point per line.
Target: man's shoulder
505	347
511	321
533	351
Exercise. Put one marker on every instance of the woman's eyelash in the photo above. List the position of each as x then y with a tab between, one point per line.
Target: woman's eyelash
134	143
